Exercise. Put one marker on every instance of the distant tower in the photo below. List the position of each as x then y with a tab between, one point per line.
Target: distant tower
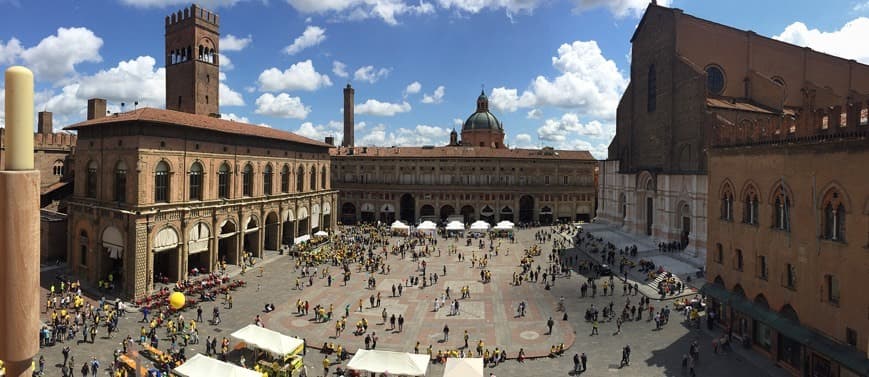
349	94
192	82
454	138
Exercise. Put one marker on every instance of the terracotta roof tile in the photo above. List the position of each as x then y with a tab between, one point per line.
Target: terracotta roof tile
197	121
459	152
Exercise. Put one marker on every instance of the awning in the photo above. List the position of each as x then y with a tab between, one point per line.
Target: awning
843	354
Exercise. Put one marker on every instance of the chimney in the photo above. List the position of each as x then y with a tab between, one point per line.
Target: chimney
44	123
330	140
96	108
348	116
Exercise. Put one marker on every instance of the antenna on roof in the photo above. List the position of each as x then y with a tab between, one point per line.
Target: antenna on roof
122	107
135	105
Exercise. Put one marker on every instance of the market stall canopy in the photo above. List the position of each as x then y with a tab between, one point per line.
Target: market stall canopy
427	225
480	225
399	225
455	225
503	227
506	222
321	234
269	340
204	366
464	367
393	363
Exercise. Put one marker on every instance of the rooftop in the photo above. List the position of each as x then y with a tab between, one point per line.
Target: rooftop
460	152
178	118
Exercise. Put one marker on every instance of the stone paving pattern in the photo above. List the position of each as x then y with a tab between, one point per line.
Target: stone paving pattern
655	353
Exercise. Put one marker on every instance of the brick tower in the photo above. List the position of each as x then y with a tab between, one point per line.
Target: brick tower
192	71
349	94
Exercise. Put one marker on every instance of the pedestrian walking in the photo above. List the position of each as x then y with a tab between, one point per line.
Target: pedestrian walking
626	355
549	324
576	363
584	360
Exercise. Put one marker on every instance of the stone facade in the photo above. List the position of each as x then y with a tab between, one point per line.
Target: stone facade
51	155
192	61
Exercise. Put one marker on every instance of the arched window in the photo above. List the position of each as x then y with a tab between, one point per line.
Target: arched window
323	178
313	182
247	180
714	79
285	179
91	180
727	203
267	180
834	216
57	169
161	182
195	181
750	206
120	182
651	103
300	179
223	182
782	209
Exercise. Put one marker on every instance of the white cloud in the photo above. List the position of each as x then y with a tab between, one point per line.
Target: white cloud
847	42
229	97
386	109
417	136
475	6
413	88
339	69
860	7
311	37
569	127
386	10
436	97
282	106
10	51
523	141
233	43
209	4
56	55
370	74
534	114
225	62
619	8
320	131
458	122
589	84
233	117
300	76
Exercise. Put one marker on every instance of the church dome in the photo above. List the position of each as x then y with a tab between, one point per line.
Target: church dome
482	119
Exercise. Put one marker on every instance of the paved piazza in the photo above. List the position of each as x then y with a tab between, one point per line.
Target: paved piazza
489	314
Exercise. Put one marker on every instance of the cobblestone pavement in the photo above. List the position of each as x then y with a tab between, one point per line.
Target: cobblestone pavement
654	353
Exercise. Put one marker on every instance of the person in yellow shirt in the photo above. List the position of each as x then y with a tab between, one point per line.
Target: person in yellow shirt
326	364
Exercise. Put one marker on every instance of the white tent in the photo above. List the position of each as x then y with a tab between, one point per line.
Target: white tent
506	222
464	367
455	225
503	227
427	225
400	227
393	363
204	366
479	226
321	234
269	340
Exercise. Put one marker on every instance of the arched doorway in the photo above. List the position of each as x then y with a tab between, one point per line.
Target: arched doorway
251	237
227	243
288	234
302	219
685	224
427	212
506	214
327	217
348	214
487	214
468	214
387	214
368	213
315	218
546	215
111	259
648	213
789	350
447	211
167	261
526	209
198	253
408	208
272	227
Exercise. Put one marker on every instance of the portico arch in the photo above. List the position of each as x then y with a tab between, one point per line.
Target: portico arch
408	208
288	232
526	209
447	211
315	218
327	216
468	214
227	242
272	227
111	260
348	214
251	243
166	255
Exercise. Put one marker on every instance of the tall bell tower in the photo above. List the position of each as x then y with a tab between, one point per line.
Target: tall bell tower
192	70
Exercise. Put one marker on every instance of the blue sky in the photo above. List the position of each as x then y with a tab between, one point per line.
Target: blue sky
554	70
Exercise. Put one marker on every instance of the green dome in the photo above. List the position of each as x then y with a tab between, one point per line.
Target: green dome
482	121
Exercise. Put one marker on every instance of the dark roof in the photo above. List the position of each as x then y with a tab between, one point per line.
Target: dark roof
460	152
177	118
483	121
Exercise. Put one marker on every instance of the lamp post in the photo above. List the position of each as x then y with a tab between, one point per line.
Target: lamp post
19	230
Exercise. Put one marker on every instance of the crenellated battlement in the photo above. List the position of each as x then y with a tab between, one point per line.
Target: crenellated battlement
195	12
41	141
786	129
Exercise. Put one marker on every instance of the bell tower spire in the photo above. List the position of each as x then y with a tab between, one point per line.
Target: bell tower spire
192	65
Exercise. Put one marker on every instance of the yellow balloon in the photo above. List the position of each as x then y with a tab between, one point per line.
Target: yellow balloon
176	300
